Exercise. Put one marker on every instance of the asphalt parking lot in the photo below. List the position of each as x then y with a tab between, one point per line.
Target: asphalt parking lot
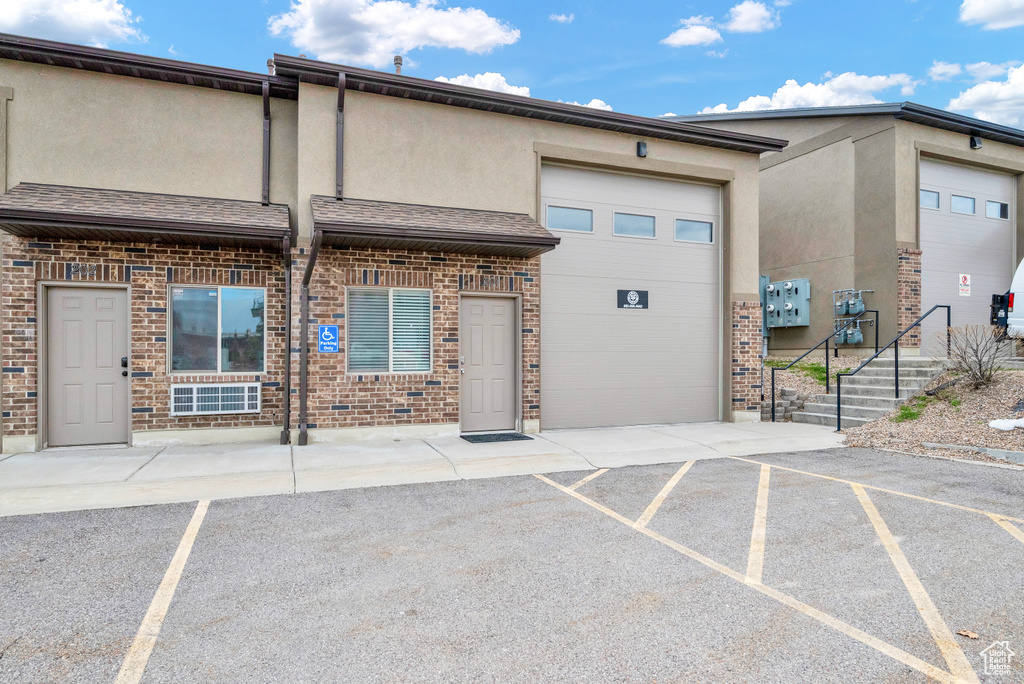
829	566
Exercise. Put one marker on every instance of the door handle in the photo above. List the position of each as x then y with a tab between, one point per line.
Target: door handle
124	362
124	374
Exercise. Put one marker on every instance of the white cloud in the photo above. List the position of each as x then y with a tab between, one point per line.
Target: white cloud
488	81
943	71
172	50
783	3
373	31
993	14
593	104
98	22
751	17
667	114
696	31
844	89
986	71
562	18
998	101
712	53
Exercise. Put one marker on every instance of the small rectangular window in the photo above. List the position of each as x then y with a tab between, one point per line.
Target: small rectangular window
566	218
634	225
694	231
929	199
997	210
217	329
961	205
389	330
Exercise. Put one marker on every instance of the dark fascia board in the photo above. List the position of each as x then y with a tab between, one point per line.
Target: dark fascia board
142	66
905	111
326	74
42	221
385	233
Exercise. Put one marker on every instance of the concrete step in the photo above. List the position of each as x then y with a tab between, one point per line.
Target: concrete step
861	380
827	420
888	403
909	362
868	412
876	391
873	371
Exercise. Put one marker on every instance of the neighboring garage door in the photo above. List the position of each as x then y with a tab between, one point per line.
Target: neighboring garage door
606	365
967	228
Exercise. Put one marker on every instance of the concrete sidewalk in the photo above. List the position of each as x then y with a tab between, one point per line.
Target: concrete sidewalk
78	479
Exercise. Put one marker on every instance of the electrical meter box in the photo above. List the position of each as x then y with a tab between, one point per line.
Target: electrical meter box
787	303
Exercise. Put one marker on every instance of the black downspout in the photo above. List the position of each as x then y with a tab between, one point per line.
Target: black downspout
314	250
339	152
286	429
266	142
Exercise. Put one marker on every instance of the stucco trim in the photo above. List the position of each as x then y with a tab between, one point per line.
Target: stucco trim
549	153
968	157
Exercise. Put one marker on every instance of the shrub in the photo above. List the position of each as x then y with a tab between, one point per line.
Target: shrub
976	350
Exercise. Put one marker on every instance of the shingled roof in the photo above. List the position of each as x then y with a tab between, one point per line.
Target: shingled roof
60	211
386	225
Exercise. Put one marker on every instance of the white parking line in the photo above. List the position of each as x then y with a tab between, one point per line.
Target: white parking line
660	499
588	478
1005	524
138	655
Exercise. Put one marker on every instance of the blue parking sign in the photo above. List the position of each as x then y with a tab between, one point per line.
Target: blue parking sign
327	338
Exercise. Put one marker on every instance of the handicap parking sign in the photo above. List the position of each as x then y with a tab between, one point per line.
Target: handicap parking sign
328	338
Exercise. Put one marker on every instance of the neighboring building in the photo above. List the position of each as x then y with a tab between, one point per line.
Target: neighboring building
176	231
901	199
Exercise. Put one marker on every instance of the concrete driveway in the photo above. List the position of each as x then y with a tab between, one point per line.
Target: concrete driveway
78	479
825	566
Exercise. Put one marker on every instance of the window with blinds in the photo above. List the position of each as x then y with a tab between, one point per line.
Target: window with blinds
388	330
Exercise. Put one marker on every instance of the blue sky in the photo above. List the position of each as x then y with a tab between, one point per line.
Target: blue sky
647	58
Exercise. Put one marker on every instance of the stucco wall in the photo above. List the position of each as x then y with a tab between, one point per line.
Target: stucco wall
400	150
75	127
807	231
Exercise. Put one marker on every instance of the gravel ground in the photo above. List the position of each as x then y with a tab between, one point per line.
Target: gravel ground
943	423
798	380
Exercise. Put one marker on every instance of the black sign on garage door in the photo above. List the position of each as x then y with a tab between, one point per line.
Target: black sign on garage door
633	299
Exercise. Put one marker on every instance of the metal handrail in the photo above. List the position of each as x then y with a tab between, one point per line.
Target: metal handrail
896	350
828	386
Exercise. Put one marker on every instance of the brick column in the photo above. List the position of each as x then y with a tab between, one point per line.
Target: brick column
746	358
908	294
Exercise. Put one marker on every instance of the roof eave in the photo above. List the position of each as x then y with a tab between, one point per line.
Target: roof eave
326	74
432	239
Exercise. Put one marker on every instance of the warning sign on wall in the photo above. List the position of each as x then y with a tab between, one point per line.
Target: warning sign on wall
965	285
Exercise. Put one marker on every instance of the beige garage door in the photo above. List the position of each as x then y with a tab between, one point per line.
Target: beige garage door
967	229
604	360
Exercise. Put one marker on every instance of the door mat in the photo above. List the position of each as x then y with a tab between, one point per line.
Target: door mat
496	437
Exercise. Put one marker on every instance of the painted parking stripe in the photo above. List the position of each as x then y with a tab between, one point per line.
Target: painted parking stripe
138	655
874	642
588	478
883	489
958	663
1012	529
662	495
755	561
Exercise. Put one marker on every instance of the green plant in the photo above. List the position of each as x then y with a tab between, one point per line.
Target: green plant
955	403
912	410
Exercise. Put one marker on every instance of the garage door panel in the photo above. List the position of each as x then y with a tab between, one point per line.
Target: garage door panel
954	244
602	365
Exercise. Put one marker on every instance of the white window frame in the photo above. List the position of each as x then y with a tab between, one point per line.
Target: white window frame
997	218
569	230
194	386
963	213
391	335
220	301
638	237
937	194
714	231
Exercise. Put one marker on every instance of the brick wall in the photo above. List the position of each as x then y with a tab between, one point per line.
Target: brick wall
746	356
338	399
908	294
148	269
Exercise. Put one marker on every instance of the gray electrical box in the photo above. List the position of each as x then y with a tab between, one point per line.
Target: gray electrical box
787	303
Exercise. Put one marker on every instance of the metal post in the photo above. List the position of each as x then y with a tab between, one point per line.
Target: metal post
827	377
949	335
773	394
839	402
876	332
896	350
